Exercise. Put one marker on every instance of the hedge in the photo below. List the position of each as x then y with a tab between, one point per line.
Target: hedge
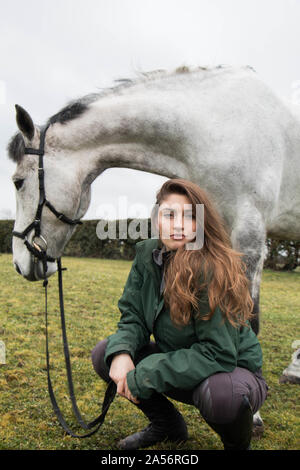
281	254
85	242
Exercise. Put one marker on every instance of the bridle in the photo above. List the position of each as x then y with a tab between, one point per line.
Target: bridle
35	248
39	252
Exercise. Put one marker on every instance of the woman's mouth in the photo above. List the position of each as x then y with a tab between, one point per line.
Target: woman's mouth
177	237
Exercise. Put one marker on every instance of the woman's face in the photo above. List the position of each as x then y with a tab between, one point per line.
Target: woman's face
176	223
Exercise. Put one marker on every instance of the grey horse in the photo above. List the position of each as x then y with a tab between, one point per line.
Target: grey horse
220	127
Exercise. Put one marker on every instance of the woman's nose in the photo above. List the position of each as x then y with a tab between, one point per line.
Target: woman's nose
178	222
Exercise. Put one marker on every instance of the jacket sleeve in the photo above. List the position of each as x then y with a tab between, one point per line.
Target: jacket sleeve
215	351
132	332
250	352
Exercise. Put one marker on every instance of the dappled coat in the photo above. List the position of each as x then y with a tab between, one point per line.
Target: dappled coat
190	353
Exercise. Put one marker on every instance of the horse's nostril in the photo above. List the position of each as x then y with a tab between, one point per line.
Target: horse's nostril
17	268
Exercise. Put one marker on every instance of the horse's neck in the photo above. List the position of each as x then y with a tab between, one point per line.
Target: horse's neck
126	131
147	129
151	126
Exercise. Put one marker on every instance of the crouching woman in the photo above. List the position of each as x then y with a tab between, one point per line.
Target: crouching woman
197	305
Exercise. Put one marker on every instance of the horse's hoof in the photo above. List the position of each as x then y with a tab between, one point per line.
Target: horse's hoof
257	431
291	379
258	426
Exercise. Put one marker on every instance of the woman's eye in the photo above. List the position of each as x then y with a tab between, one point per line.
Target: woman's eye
187	216
19	183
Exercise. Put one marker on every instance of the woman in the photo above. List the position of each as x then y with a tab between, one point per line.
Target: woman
196	303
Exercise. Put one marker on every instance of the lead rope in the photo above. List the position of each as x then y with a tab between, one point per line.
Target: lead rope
111	389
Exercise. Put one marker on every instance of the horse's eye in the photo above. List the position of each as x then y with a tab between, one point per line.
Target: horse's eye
19	183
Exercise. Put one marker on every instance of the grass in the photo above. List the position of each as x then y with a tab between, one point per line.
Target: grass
92	288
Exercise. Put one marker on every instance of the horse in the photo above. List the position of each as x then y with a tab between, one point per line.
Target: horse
221	127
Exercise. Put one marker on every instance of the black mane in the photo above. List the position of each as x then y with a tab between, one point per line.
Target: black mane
73	109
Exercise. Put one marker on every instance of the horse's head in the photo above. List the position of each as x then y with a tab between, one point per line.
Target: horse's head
64	190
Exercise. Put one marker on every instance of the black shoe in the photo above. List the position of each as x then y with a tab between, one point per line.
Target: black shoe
237	434
149	437
166	424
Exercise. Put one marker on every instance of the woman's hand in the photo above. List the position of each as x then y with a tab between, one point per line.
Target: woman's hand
123	390
120	366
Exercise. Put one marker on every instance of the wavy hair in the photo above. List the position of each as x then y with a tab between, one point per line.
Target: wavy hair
215	271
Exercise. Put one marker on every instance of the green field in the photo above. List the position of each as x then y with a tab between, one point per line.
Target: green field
92	288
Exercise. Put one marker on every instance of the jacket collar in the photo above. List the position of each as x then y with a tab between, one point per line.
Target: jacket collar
153	254
144	250
160	255
153	251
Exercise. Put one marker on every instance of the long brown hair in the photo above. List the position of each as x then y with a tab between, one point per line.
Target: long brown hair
215	270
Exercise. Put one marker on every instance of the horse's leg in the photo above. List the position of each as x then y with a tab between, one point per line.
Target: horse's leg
248	236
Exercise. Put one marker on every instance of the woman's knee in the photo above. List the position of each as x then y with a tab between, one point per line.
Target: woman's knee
97	356
216	400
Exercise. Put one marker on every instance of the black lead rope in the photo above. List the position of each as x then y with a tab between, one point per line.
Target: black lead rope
110	391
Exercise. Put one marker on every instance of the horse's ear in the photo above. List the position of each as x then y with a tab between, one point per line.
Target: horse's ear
24	122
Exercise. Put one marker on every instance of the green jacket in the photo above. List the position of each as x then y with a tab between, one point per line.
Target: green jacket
190	354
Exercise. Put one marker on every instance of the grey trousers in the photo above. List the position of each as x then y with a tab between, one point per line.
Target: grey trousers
218	398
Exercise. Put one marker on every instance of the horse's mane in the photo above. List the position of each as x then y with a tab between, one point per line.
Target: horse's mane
77	107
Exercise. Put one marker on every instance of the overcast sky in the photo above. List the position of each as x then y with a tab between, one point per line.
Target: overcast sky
58	50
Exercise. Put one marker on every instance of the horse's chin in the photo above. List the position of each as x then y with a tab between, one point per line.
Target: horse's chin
34	270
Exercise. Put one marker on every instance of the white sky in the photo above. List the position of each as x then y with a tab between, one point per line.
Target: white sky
58	50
